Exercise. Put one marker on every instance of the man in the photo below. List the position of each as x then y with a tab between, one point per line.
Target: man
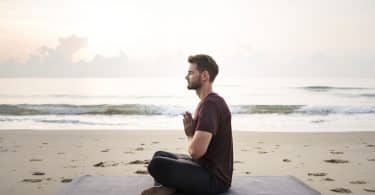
209	168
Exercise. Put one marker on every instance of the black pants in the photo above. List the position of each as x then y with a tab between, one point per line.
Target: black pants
181	172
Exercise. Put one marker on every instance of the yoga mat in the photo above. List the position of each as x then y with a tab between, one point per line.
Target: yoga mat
134	185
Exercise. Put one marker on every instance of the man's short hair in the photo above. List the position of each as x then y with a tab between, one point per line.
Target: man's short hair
205	62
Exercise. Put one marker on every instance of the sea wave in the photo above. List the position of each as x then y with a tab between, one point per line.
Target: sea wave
368	95
85	96
68	109
60	121
171	110
328	88
66	121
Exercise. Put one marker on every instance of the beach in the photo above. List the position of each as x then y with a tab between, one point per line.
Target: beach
96	89
42	161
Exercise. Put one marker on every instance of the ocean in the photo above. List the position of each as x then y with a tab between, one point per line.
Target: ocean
257	104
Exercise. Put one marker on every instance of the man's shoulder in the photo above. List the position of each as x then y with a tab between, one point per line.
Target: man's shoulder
215	98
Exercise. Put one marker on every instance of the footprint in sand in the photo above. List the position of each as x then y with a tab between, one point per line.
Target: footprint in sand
334	152
328	179
142	172
155	142
105	150
262	152
286	160
317	174
336	161
137	162
358	182
66	180
38	173
71	166
106	164
35	160
369	190
341	190
32	180
139	149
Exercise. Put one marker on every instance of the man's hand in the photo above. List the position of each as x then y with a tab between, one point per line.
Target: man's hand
188	124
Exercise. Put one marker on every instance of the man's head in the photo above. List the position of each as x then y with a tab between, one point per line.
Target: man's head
202	69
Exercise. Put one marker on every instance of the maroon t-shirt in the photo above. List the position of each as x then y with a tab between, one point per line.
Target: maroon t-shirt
213	115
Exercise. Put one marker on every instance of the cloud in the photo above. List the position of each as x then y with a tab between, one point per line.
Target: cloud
242	59
60	62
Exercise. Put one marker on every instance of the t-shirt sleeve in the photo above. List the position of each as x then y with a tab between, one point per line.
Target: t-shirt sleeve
208	118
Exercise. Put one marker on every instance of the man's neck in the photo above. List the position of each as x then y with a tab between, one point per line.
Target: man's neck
204	91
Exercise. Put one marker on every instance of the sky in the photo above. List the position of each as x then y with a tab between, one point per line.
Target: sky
247	38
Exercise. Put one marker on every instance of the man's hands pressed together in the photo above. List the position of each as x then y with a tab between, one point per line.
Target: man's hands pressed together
188	124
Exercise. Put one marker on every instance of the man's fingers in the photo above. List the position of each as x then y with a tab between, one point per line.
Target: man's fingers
186	114
189	116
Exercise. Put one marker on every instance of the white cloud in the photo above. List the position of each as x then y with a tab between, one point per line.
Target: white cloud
60	62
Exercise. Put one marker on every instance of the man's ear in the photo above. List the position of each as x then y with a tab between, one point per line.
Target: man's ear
206	75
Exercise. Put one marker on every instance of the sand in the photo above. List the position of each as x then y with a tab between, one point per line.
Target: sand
41	162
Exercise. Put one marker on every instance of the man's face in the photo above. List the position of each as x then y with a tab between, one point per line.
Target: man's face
193	77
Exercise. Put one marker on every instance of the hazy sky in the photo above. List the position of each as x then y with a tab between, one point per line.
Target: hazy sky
51	38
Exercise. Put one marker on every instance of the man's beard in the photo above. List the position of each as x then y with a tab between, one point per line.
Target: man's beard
194	85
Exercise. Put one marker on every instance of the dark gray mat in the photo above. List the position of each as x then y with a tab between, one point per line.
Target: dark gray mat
133	185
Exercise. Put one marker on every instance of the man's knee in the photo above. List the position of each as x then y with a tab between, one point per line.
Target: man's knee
158	153
155	166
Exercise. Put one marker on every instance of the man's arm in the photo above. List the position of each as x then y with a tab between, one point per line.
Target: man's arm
198	144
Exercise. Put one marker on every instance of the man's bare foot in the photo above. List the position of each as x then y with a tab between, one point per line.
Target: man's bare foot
158	190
